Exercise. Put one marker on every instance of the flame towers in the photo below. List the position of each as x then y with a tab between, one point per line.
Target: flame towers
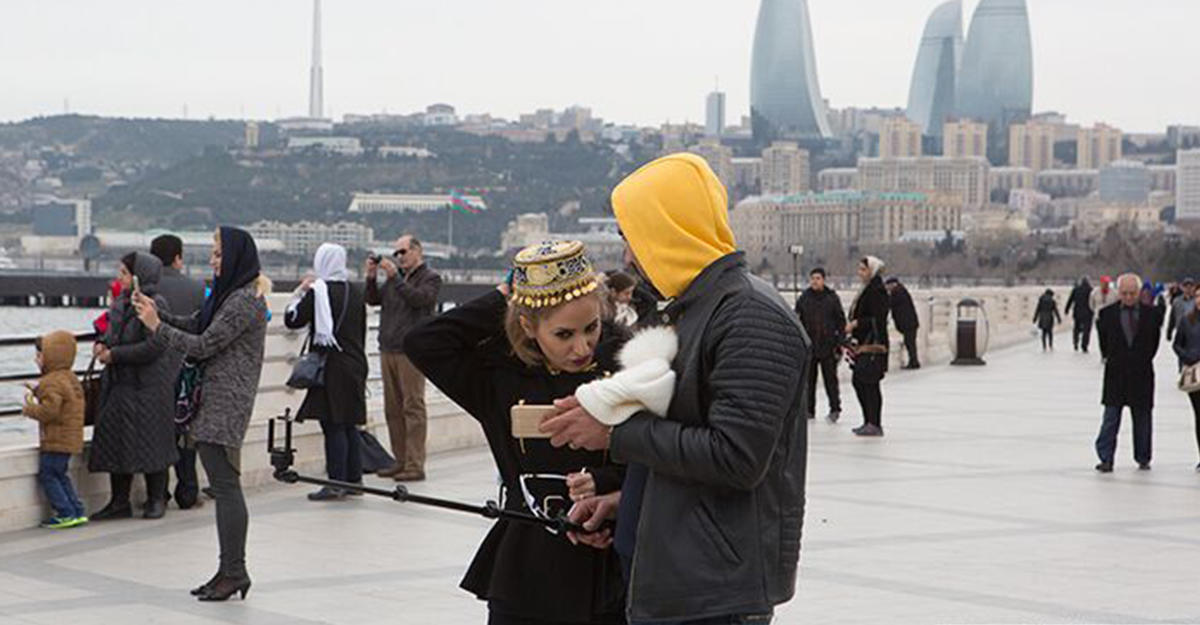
995	84
931	95
785	98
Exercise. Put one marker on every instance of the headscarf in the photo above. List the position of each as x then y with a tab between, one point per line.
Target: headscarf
875	266
239	267
329	264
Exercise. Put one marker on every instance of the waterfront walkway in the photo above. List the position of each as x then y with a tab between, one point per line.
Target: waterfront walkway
980	506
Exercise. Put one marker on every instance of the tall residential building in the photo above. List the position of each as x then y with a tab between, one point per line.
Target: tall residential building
747	175
900	137
931	93
964	138
1125	182
316	87
719	158
252	135
1060	183
1011	178
967	177
1162	178
714	114
837	179
1187	185
1098	146
1031	145
785	97
995	83
785	169
766	226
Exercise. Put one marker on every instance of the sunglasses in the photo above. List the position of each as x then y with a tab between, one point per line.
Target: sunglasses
399	253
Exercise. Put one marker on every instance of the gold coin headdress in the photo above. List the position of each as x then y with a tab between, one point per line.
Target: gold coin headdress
551	273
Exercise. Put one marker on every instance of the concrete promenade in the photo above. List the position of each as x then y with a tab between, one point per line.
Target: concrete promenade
979	506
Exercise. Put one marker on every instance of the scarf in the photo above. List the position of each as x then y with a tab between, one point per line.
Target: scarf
239	267
875	266
329	265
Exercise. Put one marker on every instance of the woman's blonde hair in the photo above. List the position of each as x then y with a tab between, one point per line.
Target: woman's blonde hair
526	348
263	285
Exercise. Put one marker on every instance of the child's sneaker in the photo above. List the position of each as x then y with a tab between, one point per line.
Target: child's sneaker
59	523
79	520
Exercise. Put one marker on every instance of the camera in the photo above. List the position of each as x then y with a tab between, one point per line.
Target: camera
375	258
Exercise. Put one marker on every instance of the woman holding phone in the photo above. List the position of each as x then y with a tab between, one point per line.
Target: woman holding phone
531	341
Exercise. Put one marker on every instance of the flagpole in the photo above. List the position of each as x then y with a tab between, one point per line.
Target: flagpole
450	227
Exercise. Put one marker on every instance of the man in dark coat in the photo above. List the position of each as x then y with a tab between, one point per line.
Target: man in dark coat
1080	301
904	314
821	314
184	296
1128	334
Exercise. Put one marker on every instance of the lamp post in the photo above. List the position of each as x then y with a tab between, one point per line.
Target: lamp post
797	251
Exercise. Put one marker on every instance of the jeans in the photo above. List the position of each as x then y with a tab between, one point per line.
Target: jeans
53	478
828	368
1106	442
233	520
343	452
739	619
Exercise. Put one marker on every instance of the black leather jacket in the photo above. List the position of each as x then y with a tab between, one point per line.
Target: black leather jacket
719	529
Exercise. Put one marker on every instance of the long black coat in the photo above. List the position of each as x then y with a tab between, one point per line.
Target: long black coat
904	313
870	310
1080	302
1129	370
526	570
343	399
135	426
822	316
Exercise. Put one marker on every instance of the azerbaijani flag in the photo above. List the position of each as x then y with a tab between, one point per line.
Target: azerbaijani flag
462	205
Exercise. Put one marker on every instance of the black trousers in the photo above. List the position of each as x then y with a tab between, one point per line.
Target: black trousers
1047	338
870	397
1143	432
122	484
233	519
828	367
1082	333
910	345
187	483
343	452
1195	397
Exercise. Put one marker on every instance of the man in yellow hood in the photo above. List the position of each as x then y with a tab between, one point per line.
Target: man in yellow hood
719	538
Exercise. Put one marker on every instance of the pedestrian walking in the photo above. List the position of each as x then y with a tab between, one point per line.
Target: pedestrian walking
1079	306
1046	317
1129	338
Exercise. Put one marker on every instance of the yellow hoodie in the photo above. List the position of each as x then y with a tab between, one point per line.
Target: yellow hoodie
673	213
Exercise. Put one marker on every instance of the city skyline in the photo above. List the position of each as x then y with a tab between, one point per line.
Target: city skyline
156	60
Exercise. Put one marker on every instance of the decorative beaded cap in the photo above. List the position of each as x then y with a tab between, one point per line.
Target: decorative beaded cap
551	273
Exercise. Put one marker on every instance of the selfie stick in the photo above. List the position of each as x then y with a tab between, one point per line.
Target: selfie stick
283	457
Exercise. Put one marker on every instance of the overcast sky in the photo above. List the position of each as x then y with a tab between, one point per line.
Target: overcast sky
1135	63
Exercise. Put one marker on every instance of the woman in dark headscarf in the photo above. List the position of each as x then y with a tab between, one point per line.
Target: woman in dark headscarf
226	341
135	432
1046	317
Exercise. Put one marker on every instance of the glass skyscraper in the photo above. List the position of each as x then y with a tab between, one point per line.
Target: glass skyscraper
932	92
785	98
995	83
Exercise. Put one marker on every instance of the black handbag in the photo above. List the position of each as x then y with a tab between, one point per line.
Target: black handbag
92	384
309	370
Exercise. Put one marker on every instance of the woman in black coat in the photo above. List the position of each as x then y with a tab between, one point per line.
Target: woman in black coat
1046	317
491	354
135	425
335	313
868	330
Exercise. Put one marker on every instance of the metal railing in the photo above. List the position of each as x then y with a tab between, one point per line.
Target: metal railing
13	378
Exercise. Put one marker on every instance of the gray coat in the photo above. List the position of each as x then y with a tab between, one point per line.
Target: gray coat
1187	341
135	427
184	294
231	352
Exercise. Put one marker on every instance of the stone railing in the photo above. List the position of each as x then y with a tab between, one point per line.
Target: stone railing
1009	311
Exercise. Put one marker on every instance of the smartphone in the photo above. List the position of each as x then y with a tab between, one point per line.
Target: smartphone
137	285
526	418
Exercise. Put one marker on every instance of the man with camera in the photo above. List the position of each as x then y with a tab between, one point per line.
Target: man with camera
408	295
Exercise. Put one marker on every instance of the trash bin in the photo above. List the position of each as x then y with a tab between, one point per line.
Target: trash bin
970	333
